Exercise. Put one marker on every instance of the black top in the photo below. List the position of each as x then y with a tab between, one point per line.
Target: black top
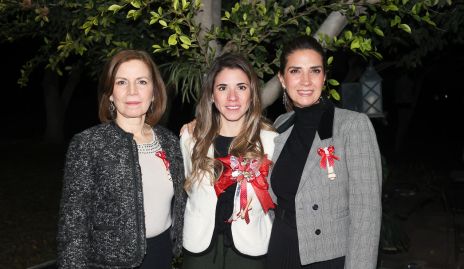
287	171
225	203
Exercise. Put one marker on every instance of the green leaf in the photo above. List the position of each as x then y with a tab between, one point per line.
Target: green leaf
175	4
185	40
227	14
185	4
378	31
114	8
252	31
236	8
136	3
348	35
172	41
405	27
163	23
416	8
333	82
377	55
395	21
391	7
308	30
355	44
276	19
405	2
261	9
330	60
362	19
334	94
132	14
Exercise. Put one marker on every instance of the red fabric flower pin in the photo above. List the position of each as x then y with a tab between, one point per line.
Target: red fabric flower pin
328	158
243	171
162	155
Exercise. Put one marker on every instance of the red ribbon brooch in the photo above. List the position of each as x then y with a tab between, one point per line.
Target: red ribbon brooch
162	155
327	160
243	171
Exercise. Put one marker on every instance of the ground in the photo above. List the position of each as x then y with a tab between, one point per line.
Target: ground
30	187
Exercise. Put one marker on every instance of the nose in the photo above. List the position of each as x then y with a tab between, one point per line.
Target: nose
306	79
232	94
133	88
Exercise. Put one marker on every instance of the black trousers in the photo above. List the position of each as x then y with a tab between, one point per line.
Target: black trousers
159	252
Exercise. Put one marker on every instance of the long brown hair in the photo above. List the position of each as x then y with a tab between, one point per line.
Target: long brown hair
247	143
106	85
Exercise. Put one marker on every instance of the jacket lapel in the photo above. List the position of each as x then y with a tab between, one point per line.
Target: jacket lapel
323	138
311	169
279	142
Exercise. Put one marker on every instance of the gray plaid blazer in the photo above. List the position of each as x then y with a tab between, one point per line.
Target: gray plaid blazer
339	217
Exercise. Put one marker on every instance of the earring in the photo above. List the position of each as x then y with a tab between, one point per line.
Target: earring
112	108
285	98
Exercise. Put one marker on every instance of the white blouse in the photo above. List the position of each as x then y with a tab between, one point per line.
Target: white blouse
158	189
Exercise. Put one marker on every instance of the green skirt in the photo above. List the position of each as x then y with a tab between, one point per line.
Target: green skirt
221	257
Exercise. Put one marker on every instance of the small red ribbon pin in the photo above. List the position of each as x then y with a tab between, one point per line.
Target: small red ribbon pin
162	155
242	170
327	158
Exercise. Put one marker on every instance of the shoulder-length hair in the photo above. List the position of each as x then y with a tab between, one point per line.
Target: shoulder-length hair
107	79
247	143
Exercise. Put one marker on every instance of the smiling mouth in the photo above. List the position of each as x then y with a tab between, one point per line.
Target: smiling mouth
233	107
305	92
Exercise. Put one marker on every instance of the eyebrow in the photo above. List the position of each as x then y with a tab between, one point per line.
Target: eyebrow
143	77
299	67
238	84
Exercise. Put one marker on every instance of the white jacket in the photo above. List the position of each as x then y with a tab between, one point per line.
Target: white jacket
250	239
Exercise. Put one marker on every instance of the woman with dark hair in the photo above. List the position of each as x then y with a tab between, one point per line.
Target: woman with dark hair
226	161
123	200
326	180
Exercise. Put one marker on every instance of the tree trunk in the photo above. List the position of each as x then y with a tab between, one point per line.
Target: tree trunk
57	101
54	111
208	17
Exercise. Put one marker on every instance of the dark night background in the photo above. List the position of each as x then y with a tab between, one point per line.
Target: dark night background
30	171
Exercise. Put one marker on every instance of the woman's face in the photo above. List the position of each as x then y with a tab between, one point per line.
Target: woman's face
231	96
303	77
132	90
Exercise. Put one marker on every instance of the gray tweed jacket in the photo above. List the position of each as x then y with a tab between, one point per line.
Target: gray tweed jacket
101	218
339	217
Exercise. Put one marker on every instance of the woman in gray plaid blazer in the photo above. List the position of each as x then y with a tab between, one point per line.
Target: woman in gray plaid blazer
326	178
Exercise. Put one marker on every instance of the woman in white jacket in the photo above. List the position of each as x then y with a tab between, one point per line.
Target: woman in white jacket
226	159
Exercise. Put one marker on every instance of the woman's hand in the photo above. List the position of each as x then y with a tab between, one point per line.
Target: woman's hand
189	127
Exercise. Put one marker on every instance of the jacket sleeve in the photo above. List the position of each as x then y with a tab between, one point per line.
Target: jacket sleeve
180	197
73	223
185	141
365	179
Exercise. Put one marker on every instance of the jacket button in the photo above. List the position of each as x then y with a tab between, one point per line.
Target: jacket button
315	207
317	232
